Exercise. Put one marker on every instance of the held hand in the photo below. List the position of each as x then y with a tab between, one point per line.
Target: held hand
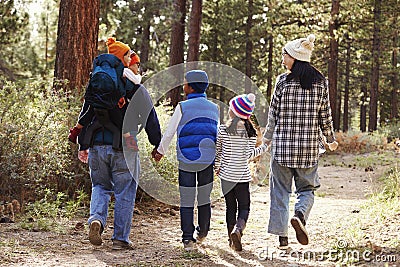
131	142
83	155
217	172
157	156
153	153
73	134
333	146
267	141
121	102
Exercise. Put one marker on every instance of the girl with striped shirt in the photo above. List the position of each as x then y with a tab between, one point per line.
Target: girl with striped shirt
235	145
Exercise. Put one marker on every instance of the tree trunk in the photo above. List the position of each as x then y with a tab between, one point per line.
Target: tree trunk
177	47
394	113
346	86
74	55
194	31
46	50
145	46
216	91
363	106
332	64
270	64
249	46
373	104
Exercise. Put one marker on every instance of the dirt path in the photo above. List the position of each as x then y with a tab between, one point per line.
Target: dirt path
156	234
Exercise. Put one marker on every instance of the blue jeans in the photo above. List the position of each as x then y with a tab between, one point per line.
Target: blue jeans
109	174
306	182
187	190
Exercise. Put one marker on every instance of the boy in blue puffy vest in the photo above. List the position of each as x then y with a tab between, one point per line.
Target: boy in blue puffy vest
195	121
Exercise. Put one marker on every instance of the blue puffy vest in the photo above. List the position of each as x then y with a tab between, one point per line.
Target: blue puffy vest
197	130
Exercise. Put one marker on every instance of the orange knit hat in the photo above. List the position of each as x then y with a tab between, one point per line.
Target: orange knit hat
117	48
134	58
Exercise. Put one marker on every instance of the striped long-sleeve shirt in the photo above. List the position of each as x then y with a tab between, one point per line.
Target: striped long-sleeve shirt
296	118
233	153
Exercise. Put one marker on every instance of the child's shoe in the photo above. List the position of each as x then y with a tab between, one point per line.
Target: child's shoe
230	229
188	245
236	235
200	236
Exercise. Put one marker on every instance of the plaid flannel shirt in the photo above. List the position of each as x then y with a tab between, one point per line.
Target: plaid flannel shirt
296	118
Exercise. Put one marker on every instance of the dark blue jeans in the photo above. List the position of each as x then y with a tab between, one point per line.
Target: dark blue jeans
237	200
190	183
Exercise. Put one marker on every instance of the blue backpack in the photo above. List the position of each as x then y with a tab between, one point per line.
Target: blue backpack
105	85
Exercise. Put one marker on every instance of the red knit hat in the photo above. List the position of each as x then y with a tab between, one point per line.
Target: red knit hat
117	48
134	58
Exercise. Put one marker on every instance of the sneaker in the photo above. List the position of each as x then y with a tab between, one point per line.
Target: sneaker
200	237
120	245
298	224
95	233
188	245
283	243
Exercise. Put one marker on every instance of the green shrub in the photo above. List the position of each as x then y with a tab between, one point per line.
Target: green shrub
391	184
34	151
391	131
49	212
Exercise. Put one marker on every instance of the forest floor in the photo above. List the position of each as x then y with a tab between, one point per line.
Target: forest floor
339	223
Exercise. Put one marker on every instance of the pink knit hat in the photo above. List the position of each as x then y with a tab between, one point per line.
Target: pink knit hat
243	105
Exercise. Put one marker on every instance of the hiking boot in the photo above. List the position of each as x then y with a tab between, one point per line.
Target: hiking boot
236	234
201	236
95	233
230	229
299	224
120	245
283	243
188	245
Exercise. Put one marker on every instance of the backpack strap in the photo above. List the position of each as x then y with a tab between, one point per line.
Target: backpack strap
102	122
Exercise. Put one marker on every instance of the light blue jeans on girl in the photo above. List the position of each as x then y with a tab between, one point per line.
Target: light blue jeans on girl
110	174
306	181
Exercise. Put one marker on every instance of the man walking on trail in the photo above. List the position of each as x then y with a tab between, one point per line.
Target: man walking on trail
298	112
109	170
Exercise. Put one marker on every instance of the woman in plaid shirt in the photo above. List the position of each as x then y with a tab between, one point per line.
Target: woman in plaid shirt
299	110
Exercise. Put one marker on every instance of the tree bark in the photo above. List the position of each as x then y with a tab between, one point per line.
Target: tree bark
333	63
145	46
249	46
78	28
394	113
363	106
194	31
270	64
346	86
373	104
177	47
